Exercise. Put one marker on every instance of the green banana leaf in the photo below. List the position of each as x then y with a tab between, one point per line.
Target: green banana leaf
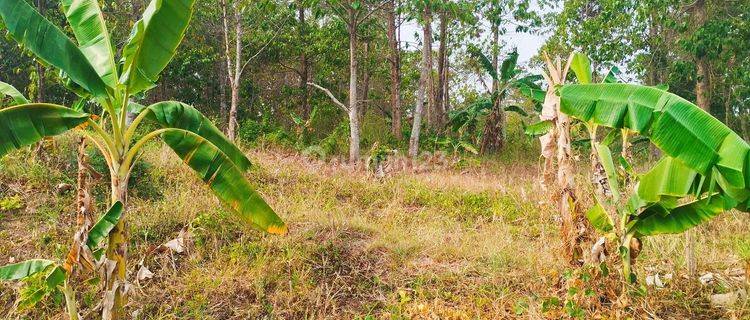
24	269
658	219
86	19
517	109
669	177
55	277
26	124
508	67
678	127
484	61
224	178
599	218
612	75
106	223
581	67
605	156
50	44
540	128
171	114
11	91
153	42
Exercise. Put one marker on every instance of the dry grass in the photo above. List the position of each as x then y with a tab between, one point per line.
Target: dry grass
477	243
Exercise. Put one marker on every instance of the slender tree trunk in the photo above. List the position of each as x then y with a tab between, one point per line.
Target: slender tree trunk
702	84
223	107
493	136
728	113
395	63
440	92
421	91
233	68
304	65
353	102
427	66
446	87
365	87
703	100
235	84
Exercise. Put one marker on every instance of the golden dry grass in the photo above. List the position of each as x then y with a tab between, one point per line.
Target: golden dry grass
478	243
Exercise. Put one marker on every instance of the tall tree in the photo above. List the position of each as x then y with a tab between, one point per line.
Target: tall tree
234	63
353	13
425	78
304	72
493	137
440	92
394	59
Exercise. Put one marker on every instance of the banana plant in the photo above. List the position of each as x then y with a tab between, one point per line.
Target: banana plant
508	77
88	66
705	170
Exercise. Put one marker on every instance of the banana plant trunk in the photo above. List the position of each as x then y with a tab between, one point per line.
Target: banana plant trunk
493	137
117	252
566	184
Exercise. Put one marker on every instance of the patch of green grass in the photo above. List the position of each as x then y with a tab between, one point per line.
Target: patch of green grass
11	203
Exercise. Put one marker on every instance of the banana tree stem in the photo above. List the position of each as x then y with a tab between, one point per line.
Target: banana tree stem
128	161
70	301
133	126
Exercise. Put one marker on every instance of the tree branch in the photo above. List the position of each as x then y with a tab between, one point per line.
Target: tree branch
328	92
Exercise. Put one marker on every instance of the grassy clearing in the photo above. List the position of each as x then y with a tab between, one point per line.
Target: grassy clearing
445	244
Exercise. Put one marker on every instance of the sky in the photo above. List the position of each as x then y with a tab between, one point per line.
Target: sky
528	44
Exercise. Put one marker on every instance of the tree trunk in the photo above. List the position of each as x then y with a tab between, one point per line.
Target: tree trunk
233	69
395	63
353	105
365	87
427	67
440	92
115	297
571	220
421	92
702	84
304	72
223	107
447	86
493	136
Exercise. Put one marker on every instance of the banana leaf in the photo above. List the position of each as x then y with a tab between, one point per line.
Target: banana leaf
50	44
153	42
678	127
658	219
581	67
106	223
517	109
86	19
669	177
508	67
224	178
599	218
13	93
539	129
24	269
605	156
26	124
171	114
484	61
